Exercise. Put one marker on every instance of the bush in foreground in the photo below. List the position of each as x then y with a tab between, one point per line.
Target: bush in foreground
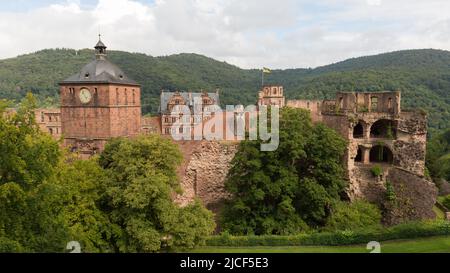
354	216
404	231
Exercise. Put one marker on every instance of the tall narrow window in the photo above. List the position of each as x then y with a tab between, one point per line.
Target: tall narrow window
117	96
126	97
390	103
42	117
374	104
134	97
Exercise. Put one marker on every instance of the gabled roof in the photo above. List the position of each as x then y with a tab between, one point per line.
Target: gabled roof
188	97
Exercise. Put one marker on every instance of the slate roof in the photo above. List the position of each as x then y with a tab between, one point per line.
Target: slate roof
100	70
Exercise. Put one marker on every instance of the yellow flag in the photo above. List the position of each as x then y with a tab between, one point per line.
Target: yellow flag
267	70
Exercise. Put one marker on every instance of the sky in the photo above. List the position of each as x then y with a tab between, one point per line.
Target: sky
278	34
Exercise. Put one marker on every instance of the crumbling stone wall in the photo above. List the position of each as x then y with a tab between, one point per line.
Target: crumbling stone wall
413	123
206	172
410	156
340	123
415	198
366	186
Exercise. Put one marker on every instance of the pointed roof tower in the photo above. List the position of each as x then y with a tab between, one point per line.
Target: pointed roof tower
100	70
100	49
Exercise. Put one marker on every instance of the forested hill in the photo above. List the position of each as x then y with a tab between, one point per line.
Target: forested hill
423	76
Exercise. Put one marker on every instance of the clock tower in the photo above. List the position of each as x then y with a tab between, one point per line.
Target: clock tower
97	104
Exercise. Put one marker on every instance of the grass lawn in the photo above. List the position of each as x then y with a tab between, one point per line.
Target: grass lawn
422	245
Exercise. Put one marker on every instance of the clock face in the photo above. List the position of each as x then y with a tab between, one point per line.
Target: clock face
85	96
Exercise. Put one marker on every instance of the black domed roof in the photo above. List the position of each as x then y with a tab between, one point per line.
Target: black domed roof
100	70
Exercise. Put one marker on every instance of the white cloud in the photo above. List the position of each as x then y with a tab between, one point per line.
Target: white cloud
250	33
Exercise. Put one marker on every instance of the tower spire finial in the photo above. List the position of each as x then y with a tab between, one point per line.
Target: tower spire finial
100	48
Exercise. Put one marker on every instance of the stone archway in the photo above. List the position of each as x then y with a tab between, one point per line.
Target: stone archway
381	154
383	128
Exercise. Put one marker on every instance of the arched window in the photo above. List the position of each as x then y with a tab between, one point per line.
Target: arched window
390	103
381	154
374	104
383	128
134	97
358	130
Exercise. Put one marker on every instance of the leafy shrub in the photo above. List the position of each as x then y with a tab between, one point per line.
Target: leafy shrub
376	170
354	216
10	246
390	192
403	231
446	202
363	109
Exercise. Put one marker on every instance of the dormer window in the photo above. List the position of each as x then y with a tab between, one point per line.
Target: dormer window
86	75
121	77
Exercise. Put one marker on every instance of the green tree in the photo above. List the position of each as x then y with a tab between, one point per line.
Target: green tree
29	203
288	190
81	186
438	155
141	181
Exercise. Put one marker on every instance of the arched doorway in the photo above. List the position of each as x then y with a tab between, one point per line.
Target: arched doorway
383	128
381	154
359	155
358	130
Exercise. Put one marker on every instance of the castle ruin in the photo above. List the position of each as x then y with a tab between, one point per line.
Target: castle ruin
101	102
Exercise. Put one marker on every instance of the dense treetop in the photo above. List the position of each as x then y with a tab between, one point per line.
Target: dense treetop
423	76
290	190
119	202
